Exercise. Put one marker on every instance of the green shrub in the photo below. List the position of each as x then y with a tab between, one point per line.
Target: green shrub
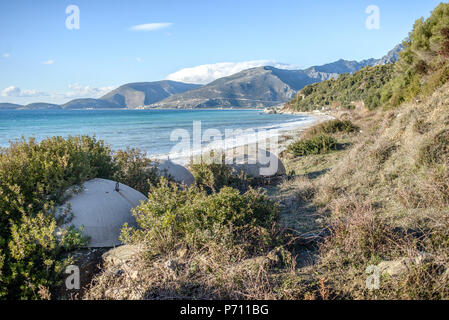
423	65
422	68
35	254
319	144
333	126
214	176
175	216
135	170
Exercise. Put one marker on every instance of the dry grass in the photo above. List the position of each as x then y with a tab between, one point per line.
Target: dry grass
217	274
388	197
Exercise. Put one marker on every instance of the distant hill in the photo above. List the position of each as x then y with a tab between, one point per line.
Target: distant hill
391	57
265	86
10	106
41	105
133	95
262	86
333	70
90	103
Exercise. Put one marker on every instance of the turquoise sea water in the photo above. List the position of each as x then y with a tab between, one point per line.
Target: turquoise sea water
148	130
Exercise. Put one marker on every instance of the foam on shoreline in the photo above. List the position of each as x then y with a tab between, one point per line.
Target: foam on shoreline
286	132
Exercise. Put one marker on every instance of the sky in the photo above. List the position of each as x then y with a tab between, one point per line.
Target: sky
42	58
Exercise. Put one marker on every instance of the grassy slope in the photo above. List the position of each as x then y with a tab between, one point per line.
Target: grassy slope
385	198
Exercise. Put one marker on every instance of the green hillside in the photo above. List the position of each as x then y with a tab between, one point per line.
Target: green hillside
364	85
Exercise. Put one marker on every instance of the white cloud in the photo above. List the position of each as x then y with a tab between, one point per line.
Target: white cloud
48	62
75	91
11	92
139	60
79	91
209	72
6	55
16	92
151	26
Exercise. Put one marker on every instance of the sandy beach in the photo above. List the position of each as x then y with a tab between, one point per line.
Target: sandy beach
248	150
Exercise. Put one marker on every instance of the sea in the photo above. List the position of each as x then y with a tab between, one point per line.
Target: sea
155	132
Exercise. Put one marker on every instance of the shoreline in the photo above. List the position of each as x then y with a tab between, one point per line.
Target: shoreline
285	138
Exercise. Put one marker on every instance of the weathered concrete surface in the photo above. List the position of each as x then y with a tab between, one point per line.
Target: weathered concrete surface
259	164
175	171
102	211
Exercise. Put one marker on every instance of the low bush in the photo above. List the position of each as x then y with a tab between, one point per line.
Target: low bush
174	216
333	126
319	144
359	233
214	176
135	170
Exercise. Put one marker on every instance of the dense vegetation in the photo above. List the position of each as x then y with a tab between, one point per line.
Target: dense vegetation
362	86
33	180
424	63
332	126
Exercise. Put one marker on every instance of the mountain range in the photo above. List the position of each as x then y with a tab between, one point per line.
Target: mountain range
265	86
256	87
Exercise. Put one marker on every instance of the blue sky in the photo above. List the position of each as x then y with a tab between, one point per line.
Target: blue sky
41	60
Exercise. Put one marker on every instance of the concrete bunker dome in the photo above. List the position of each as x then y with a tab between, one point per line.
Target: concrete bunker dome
175	171
263	163
101	208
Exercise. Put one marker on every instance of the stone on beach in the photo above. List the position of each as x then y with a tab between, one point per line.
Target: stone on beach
175	171
120	255
101	211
